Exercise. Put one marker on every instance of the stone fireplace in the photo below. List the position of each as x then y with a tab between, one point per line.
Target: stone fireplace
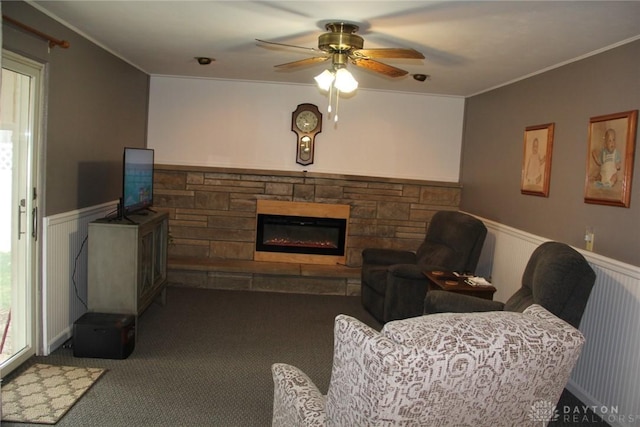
212	222
313	233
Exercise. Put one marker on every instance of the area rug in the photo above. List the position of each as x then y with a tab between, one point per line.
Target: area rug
44	393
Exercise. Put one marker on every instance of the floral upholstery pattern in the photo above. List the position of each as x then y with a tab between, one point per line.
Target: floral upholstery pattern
296	401
449	369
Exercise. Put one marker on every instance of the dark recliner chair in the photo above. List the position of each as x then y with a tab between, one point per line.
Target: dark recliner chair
393	282
556	277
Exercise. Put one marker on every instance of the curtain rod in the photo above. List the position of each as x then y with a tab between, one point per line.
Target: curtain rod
53	42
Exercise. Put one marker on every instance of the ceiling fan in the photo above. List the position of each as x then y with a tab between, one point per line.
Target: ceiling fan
341	44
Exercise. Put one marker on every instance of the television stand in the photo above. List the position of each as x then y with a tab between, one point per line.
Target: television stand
127	263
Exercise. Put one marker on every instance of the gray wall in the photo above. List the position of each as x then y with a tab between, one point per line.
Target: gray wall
569	96
96	105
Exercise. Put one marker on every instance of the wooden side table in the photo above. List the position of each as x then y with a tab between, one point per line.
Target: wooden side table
447	281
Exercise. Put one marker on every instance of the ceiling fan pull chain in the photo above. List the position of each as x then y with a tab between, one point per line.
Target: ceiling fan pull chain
335	117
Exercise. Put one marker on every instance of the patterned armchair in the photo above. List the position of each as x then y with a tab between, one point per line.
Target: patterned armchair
490	368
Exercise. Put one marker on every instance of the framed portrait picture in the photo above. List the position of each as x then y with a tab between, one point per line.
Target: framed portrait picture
610	153
536	160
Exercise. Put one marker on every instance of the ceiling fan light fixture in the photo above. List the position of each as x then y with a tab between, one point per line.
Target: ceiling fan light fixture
325	79
339	79
345	82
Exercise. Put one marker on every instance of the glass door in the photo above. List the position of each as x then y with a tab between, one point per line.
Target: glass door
19	118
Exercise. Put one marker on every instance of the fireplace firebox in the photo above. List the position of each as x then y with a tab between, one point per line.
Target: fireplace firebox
301	232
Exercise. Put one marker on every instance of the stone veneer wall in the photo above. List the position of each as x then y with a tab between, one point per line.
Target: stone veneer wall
212	211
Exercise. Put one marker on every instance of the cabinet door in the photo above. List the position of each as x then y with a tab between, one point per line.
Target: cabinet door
160	252
145	263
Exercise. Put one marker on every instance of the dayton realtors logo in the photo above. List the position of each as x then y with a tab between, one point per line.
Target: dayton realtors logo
543	412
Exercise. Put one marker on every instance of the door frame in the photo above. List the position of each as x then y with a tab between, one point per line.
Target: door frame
35	207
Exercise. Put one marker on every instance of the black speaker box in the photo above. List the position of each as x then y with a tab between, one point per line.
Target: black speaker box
104	335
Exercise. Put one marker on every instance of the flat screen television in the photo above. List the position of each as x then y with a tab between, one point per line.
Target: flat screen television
137	180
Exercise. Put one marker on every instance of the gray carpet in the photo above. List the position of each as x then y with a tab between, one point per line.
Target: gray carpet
204	359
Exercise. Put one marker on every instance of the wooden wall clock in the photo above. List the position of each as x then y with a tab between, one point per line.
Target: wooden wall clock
306	122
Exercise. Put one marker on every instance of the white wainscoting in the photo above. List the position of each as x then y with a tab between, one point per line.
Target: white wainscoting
64	294
607	375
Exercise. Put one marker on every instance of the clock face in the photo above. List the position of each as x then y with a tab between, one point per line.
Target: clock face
306	121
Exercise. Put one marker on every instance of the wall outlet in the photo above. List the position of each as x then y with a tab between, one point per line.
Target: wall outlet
589	237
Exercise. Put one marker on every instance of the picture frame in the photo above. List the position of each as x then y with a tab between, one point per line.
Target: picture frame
610	153
536	159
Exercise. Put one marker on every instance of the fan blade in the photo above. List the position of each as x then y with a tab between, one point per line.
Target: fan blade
379	67
289	45
302	62
388	53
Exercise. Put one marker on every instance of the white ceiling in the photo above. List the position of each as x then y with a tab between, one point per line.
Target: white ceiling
469	46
